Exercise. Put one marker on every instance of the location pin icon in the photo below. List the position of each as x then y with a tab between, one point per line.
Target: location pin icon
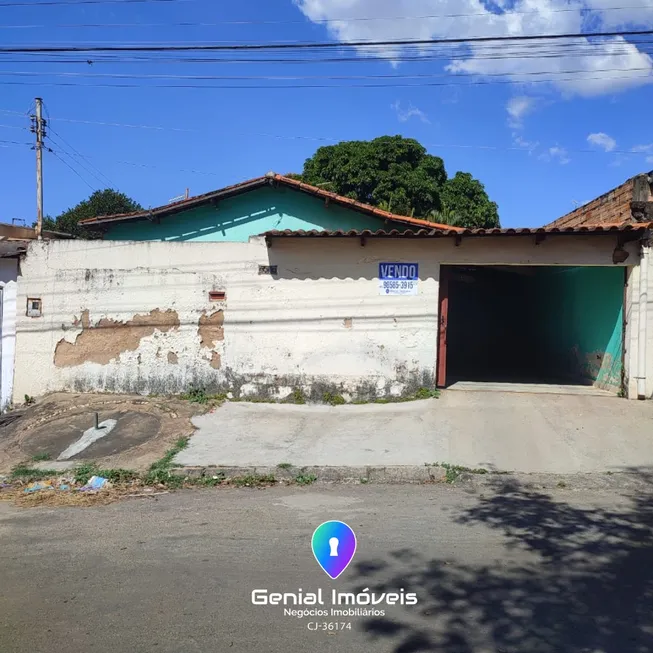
334	546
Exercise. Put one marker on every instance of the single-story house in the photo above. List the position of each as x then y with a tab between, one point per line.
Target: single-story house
273	286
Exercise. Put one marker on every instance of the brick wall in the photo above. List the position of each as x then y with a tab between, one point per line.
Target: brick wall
612	207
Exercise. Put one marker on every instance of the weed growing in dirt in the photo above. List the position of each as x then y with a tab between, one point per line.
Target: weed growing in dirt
285	466
159	472
296	397
196	396
453	472
253	480
334	400
40	457
427	393
26	473
210	481
305	479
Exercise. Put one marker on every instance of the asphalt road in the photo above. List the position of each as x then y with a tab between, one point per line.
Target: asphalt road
497	570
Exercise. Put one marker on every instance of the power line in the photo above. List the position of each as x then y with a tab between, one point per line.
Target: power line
88	167
276	78
318	21
320	45
71	168
236	87
47	3
14	127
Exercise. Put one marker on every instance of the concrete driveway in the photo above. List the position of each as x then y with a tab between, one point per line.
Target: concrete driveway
543	433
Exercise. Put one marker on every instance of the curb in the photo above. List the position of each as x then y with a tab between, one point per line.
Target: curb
383	475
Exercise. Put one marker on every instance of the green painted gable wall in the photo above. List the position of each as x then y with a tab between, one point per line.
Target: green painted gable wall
250	214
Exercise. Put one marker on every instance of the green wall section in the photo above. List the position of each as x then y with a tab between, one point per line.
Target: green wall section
536	325
581	321
250	214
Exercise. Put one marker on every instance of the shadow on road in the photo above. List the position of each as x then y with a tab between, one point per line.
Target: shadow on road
587	588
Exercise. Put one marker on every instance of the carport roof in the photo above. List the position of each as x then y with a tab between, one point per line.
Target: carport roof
440	231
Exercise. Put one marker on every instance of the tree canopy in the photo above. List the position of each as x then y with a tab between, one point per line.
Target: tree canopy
398	175
101	202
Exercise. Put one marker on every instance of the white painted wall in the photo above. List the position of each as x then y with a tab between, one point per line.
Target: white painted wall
8	282
279	333
632	330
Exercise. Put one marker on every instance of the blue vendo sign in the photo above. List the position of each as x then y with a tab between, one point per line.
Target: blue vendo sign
398	278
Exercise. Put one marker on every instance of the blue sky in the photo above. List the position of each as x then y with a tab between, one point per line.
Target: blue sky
540	138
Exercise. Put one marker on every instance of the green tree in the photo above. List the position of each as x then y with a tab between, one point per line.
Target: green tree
101	202
465	197
398	175
391	171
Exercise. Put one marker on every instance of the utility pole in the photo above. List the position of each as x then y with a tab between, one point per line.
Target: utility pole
38	127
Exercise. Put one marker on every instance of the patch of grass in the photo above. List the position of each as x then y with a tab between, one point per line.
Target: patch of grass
40	457
27	473
159	472
285	466
253	480
29	400
334	400
561	484
84	471
296	397
210	481
427	393
118	475
305	479
196	396
364	481
453	472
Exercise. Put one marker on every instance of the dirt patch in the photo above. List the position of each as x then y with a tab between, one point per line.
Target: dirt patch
147	427
211	329
108	339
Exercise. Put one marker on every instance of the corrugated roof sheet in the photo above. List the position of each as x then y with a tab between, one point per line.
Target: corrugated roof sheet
253	184
438	231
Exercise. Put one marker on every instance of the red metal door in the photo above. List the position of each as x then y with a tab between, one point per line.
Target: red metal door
443	317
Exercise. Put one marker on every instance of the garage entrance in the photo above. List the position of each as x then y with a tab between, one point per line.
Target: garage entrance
532	325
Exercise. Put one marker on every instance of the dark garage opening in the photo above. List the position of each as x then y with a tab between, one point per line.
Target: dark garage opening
527	324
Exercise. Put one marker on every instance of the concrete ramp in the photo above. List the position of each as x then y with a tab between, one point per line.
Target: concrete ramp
505	431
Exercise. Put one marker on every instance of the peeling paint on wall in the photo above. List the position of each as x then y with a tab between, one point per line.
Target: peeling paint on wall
216	361
173	359
211	329
109	338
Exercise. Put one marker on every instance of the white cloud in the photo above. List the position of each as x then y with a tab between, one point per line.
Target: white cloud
404	115
588	68
649	159
531	146
556	153
517	108
602	140
643	148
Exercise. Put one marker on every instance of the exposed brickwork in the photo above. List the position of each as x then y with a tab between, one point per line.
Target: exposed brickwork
613	207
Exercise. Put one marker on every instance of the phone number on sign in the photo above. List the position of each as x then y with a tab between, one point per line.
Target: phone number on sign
399	285
329	625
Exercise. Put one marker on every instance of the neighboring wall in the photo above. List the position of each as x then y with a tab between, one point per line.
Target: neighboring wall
8	277
613	207
250	214
125	316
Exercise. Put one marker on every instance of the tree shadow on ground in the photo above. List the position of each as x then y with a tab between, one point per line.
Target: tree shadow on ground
582	582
